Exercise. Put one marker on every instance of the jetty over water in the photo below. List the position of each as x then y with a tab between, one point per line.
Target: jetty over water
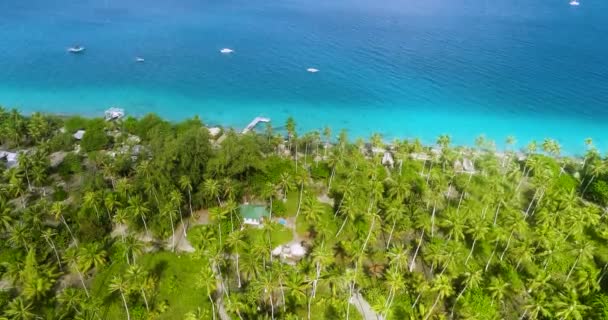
254	123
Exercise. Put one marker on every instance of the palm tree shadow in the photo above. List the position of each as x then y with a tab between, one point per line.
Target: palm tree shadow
158	269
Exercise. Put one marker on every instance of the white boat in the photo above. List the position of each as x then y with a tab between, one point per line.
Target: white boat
139	59
226	50
76	49
574	3
312	70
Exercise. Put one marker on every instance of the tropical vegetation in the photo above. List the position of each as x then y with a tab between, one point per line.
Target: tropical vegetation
140	219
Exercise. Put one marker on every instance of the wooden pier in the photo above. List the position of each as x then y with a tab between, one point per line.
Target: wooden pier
254	123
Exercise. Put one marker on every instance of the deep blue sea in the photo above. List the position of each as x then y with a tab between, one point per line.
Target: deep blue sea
402	68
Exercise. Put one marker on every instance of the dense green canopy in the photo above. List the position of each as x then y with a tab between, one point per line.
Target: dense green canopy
140	220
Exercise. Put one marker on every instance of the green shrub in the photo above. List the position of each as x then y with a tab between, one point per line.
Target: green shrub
73	124
319	172
95	137
598	192
61	142
278	208
71	164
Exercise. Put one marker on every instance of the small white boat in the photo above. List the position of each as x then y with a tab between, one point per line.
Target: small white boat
574	3
226	51
76	49
312	70
139	59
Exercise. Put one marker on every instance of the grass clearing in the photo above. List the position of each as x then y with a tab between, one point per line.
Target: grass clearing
177	279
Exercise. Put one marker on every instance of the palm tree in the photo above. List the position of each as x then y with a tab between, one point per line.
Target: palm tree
48	235
186	185
478	231
472	280
169	211
91	255
568	306
111	203
395	283
583	250
211	189
217	215
120	285
71	257
443	288
137	278
19	310
236	243
176	200
90	200
57	209
393	212
138	209
597	169
207	281
498	289
285	183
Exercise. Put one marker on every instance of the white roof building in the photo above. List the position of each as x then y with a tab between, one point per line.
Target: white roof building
79	134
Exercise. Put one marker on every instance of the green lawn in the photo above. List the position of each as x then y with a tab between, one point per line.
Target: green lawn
292	203
177	276
282	236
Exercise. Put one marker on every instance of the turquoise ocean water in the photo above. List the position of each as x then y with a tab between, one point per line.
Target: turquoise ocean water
532	69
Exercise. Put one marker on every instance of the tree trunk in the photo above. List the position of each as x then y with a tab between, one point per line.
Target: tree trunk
124	301
457	298
390	236
416	252
507	246
299	201
496	213
212	305
369	234
433	221
181	219
466	262
491	257
342	227
52	245
82	281
143	293
587	186
173	231
573	266
271	306
331	177
432	308
145	225
238	270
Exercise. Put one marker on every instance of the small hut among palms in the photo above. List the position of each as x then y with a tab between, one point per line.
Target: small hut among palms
253	214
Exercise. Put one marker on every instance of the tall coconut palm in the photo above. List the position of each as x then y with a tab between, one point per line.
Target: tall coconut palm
18	309
176	199
57	210
443	289
186	185
236	242
472	280
48	235
120	285
211	189
207	281
169	212
137	279
138	209
71	258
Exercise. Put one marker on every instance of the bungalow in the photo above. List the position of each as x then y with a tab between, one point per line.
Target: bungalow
11	158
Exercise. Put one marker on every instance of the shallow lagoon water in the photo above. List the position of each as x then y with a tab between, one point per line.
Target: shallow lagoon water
532	69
